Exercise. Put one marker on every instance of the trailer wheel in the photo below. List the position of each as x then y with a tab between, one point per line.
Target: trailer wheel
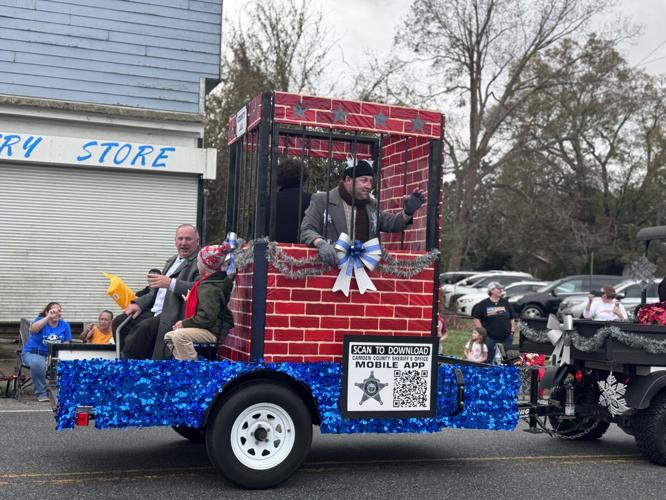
579	428
193	434
649	428
260	435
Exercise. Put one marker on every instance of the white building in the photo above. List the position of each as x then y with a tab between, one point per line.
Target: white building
101	131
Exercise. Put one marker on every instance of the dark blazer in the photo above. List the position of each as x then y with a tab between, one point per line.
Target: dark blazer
174	304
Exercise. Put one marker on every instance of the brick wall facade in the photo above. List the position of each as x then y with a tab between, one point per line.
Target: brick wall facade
306	321
404	168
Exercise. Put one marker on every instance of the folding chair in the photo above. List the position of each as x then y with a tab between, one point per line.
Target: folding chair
21	380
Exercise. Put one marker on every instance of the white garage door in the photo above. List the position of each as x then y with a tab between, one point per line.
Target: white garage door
61	228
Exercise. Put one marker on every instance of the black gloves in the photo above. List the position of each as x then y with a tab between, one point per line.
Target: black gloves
413	203
327	252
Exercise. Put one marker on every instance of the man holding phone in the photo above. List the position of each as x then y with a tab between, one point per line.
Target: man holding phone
603	306
156	312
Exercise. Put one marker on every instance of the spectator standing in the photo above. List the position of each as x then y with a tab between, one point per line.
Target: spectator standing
495	315
442	332
47	328
99	333
604	308
476	348
291	178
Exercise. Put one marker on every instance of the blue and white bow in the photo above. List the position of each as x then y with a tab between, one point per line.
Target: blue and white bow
351	259
232	239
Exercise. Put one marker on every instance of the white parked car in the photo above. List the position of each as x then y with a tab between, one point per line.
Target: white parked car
478	282
466	303
628	293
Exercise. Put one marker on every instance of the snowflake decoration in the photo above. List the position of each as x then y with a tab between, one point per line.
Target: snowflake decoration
612	395
642	270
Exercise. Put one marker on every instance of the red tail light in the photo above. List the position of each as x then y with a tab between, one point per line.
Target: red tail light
578	376
82	419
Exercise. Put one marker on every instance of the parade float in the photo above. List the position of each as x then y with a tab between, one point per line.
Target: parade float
351	348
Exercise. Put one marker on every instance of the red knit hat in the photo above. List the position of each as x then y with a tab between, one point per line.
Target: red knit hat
211	257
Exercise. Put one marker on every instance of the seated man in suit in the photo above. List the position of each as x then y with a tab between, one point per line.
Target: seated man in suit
155	313
350	205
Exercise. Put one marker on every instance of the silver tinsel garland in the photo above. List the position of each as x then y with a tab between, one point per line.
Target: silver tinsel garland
598	339
295	268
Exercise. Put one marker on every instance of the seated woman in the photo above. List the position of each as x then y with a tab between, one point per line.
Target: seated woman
604	308
654	314
99	333
46	328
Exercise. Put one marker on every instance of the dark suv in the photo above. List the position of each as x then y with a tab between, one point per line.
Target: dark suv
546	301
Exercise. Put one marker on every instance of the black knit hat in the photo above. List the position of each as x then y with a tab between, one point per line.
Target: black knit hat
362	168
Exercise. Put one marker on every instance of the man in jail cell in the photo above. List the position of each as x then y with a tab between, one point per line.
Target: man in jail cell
352	210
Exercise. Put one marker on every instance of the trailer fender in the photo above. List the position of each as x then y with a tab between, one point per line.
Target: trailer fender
553	376
266	376
641	390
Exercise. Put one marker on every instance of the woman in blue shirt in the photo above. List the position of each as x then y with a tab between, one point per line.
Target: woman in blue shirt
47	328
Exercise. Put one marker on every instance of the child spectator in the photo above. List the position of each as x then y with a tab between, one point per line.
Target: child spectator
441	332
476	349
207	316
99	333
47	328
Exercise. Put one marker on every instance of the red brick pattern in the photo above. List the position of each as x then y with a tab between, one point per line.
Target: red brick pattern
343	115
356	115
318	148
395	185
306	321
253	117
237	344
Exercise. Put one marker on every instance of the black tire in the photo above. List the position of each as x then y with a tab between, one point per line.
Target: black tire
193	434
649	428
531	311
238	436
573	428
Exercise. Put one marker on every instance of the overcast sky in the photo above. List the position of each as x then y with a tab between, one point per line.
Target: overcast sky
368	25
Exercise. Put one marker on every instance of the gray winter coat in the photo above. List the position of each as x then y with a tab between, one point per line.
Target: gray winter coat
312	226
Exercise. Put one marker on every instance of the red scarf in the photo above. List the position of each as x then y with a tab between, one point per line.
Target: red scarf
192	300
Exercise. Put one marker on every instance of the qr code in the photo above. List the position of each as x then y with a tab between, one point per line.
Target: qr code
410	389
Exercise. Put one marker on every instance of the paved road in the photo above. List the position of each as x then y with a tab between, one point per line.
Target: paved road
36	462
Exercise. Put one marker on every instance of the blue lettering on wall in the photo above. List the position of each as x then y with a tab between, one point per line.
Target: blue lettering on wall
162	155
118	158
144	149
7	143
120	154
30	144
108	146
85	147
